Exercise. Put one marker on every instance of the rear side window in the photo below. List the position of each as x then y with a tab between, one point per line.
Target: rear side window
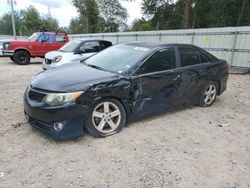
90	47
191	56
105	44
60	38
161	60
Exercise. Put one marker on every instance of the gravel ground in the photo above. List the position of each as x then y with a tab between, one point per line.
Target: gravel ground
182	148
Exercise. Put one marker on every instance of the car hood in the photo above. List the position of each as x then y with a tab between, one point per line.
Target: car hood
53	54
70	78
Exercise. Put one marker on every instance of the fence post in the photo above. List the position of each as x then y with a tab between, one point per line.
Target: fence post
117	39
192	38
136	37
233	47
160	36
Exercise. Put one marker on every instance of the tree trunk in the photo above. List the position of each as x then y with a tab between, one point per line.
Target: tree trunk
185	22
241	12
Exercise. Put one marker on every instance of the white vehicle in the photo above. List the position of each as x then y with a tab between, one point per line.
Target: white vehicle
74	51
1	47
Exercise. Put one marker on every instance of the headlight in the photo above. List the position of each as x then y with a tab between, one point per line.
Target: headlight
57	59
6	45
54	99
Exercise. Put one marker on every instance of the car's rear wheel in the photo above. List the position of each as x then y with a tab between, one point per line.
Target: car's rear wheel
209	94
106	118
22	57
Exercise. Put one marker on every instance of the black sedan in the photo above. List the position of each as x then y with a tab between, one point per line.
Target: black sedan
120	83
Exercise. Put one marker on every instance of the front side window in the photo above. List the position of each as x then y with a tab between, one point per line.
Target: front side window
89	47
70	46
44	38
190	56
161	60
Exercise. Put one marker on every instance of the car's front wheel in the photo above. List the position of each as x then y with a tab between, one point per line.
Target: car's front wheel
209	94
106	118
12	58
22	57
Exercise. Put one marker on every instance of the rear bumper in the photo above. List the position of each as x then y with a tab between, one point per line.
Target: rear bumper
44	118
223	83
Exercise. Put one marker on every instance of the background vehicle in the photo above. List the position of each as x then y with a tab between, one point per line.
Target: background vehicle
74	51
120	83
1	48
20	51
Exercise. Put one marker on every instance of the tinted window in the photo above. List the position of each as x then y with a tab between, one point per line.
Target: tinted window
161	60
190	56
44	38
89	47
105	44
60	38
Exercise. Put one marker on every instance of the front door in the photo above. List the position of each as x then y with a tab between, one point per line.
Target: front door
156	86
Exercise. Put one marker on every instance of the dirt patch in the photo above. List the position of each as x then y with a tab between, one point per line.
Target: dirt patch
182	148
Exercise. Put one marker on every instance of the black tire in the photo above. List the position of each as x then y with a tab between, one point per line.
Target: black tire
22	57
91	120
12	58
212	96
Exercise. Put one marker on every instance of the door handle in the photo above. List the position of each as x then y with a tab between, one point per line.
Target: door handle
177	77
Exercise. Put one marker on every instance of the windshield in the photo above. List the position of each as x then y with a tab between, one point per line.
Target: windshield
34	36
70	46
118	58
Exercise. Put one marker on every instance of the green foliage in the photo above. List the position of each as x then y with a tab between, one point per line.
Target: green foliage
27	22
89	14
6	24
168	14
141	25
98	16
113	14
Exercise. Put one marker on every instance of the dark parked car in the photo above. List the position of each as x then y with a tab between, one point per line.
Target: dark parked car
119	83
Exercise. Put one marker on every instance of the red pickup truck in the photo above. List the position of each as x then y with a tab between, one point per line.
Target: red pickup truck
20	51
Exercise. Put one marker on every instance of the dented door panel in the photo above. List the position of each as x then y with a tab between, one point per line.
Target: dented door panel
154	92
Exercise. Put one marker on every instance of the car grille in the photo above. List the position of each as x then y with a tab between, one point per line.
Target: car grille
35	95
48	61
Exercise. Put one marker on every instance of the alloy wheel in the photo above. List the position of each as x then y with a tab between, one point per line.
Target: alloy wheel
106	117
210	94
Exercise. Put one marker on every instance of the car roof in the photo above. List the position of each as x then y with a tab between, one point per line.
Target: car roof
152	45
85	40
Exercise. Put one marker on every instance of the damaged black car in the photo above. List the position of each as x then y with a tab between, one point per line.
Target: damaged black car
120	83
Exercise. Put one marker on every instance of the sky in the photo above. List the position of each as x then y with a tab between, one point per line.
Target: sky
63	10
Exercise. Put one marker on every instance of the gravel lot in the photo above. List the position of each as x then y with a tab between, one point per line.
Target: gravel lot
182	148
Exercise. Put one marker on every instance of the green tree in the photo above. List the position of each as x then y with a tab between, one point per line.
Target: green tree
141	25
168	14
6	23
114	15
31	20
88	9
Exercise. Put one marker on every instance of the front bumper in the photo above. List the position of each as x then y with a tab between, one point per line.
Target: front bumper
44	118
7	53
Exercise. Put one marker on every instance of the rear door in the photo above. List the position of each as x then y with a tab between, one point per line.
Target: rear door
194	74
156	86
